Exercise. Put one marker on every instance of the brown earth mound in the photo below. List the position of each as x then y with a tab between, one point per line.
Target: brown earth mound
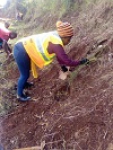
65	115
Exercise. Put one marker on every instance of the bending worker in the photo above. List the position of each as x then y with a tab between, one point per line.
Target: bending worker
39	50
5	35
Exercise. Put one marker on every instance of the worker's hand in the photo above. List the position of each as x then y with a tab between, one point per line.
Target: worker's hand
64	68
84	61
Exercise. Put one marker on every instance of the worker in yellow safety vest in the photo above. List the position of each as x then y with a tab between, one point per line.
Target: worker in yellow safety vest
39	50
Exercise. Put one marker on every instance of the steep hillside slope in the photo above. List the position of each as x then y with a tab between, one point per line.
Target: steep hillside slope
74	115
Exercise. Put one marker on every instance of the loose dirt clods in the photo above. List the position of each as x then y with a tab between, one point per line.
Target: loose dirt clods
65	115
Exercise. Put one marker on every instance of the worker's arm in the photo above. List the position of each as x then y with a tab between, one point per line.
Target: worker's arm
61	56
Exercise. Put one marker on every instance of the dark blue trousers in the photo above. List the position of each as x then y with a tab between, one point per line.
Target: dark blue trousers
23	61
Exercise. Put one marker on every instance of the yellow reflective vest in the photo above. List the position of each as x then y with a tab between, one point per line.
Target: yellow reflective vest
37	48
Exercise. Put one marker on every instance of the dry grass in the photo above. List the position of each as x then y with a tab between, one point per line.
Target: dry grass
5	84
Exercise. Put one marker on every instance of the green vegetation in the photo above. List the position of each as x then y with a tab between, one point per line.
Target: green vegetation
39	15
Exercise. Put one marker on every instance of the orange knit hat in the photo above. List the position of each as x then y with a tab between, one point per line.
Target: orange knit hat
64	29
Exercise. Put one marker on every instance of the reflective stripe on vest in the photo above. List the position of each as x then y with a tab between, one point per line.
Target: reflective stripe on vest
36	47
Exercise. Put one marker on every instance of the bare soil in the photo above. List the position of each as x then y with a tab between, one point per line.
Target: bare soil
74	115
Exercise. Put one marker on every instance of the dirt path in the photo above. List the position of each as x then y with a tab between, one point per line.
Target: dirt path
5	19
